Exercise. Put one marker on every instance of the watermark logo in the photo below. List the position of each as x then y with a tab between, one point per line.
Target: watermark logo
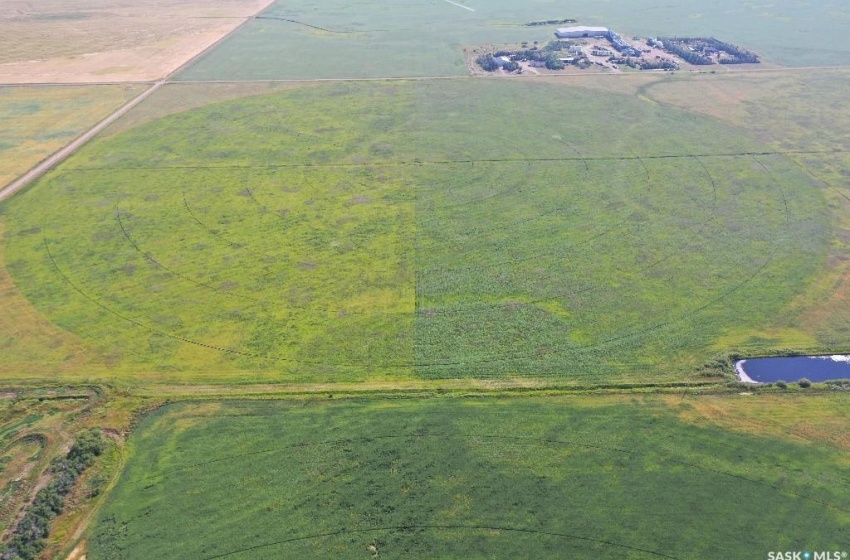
807	555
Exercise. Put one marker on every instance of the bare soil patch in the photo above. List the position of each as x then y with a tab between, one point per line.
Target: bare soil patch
79	552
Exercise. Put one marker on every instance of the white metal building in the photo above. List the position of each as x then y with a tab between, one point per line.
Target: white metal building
581	31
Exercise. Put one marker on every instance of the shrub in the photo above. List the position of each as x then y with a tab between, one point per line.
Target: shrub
804	383
488	62
781	384
96	484
839	385
552	63
27	541
740	385
511	66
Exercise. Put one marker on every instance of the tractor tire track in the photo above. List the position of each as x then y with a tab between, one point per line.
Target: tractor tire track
470	161
407	528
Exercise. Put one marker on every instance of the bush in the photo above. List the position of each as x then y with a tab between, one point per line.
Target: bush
27	541
781	384
839	385
741	386
552	63
804	383
488	62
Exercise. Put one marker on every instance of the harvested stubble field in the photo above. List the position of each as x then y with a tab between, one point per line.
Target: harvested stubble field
352	232
94	41
478	478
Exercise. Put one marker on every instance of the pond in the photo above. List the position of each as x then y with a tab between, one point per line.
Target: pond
792	368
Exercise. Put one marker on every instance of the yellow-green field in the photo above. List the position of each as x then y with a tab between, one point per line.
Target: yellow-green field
333	233
37	121
468	317
806	114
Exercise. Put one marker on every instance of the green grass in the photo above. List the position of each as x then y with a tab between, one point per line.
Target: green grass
355	232
342	39
466	479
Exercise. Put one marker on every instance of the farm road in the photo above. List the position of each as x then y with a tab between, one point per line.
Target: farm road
60	156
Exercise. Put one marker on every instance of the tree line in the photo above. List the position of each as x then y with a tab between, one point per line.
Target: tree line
736	54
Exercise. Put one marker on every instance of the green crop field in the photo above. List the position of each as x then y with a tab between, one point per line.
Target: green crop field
343	233
481	478
342	39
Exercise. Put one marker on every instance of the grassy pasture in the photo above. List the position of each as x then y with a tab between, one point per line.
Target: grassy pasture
37	121
340	233
344	39
583	478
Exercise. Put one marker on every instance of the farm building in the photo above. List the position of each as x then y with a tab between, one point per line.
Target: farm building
581	31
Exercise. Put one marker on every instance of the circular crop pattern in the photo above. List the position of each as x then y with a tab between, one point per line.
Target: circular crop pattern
349	231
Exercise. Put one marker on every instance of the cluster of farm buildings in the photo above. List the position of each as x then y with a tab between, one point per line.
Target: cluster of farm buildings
598	32
625	53
574	46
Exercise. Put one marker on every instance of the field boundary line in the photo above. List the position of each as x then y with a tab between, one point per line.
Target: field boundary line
472	161
517	77
726	71
74	84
